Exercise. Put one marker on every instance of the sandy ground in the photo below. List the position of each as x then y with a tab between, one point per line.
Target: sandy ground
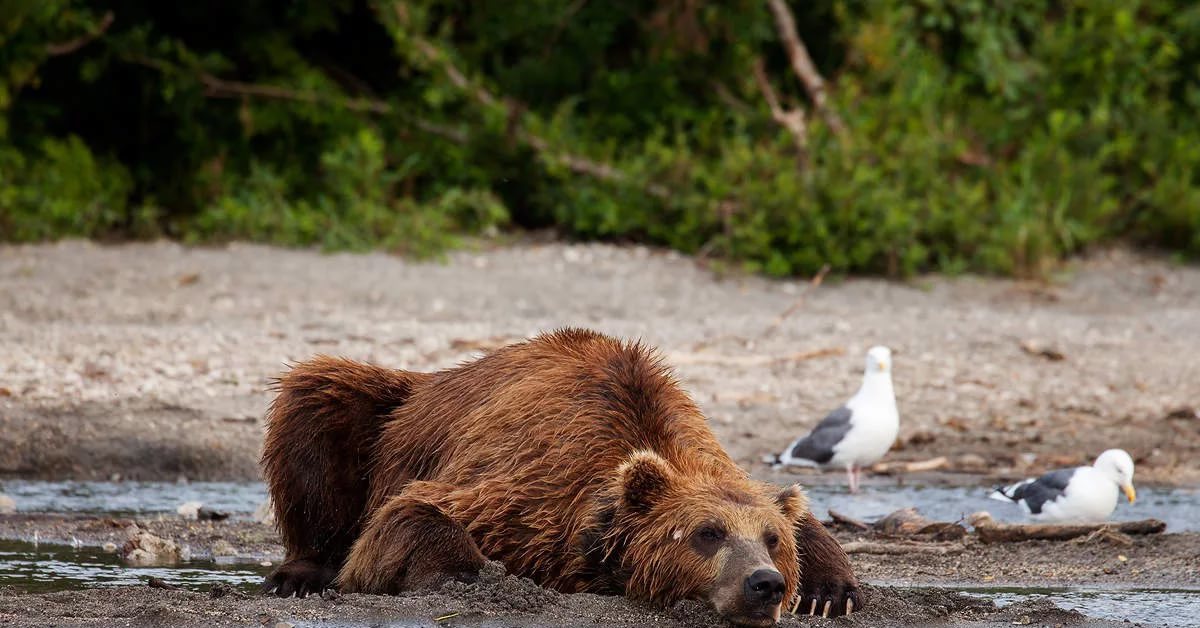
151	361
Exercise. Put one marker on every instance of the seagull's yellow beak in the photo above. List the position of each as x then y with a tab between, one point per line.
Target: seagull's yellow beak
882	366
1130	493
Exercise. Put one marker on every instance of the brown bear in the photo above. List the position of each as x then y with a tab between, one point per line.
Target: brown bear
574	459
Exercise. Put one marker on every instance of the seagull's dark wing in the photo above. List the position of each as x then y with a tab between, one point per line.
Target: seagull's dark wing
818	445
1047	488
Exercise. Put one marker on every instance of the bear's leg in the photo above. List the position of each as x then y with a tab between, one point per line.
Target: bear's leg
321	430
410	543
827	583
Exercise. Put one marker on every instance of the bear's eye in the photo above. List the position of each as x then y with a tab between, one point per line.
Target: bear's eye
711	534
772	540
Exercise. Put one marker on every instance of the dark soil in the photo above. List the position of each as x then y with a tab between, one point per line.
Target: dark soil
496	600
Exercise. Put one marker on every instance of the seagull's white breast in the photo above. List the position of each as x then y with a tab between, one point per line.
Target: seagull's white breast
1090	496
874	424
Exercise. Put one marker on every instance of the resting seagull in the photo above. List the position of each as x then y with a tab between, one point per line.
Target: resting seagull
1079	494
857	434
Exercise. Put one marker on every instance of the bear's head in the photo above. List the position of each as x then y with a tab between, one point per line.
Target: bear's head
702	534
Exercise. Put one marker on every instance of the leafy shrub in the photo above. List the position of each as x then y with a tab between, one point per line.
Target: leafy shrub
984	136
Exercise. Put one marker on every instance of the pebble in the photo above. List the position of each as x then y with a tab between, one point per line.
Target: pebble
146	549
7	505
109	547
189	510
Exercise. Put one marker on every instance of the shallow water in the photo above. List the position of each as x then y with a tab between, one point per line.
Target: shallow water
130	498
1179	507
49	567
1152	607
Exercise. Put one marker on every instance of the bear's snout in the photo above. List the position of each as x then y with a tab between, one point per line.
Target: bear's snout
765	587
750	590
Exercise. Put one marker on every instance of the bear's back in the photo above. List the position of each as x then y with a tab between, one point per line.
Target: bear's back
572	404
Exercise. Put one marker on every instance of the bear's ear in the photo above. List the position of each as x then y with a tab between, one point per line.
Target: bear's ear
645	479
792	501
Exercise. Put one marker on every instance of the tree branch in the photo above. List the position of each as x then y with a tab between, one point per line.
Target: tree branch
67	47
792	120
215	87
803	66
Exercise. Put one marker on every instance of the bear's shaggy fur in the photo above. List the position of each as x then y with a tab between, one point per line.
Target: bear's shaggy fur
574	459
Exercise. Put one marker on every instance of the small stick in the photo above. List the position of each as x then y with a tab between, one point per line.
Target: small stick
868	547
813	284
159	583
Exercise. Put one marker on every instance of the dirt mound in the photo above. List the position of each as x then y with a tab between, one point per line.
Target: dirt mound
496	591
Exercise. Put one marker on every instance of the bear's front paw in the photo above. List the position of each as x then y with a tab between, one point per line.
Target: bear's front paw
829	598
299	577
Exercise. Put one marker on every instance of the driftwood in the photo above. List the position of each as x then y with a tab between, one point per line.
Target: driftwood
916	466
990	531
871	547
910	523
846	520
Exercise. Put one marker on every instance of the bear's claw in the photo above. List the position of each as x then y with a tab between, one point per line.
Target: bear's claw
299	578
828	603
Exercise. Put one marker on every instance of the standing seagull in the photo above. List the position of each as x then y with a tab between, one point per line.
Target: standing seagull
857	434
1079	494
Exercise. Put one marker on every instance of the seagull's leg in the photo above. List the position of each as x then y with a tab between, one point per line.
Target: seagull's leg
853	478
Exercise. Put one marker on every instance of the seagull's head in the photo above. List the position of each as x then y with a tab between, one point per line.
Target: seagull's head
1118	465
879	360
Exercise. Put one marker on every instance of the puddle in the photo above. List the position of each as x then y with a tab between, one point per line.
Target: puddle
132	498
1152	607
1178	507
48	567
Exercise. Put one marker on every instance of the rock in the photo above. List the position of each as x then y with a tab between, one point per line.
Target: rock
205	514
7	505
265	513
189	510
146	549
223	548
109	547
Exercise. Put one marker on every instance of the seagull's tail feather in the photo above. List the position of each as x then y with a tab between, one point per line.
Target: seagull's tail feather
772	459
1008	493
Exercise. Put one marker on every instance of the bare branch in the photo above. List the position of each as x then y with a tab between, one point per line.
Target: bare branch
792	120
67	47
215	87
803	66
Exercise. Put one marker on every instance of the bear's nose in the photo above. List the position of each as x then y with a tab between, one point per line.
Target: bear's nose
765	586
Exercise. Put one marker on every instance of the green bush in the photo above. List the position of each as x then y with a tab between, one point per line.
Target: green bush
984	136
